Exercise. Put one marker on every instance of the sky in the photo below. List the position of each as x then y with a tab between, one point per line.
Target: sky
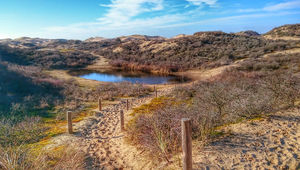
81	19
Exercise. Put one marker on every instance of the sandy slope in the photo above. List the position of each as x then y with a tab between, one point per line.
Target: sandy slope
270	143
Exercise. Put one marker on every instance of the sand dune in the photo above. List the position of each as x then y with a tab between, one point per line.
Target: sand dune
270	143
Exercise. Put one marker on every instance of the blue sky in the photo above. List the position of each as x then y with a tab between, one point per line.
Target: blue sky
81	19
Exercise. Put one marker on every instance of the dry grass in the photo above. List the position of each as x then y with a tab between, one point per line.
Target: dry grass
161	46
14	133
99	64
24	147
155	104
286	38
284	52
63	75
23	158
228	98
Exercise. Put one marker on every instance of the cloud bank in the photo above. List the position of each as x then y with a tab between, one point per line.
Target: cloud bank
124	17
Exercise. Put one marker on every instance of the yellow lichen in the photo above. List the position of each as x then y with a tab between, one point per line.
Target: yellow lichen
155	104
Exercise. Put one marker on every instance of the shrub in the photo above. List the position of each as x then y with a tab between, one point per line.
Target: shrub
285	30
19	157
14	132
286	61
111	90
58	59
226	99
23	88
205	49
23	158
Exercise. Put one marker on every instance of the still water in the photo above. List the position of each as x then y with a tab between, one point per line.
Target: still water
133	77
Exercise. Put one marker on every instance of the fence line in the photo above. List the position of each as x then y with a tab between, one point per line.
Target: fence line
99	104
186	144
185	129
69	119
122	120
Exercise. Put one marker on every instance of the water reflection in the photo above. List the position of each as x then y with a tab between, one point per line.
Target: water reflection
133	77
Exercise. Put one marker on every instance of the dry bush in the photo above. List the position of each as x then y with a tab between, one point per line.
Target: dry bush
160	132
284	87
76	97
19	157
203	49
26	86
57	59
27	131
285	30
286	61
24	158
70	158
156	133
74	92
226	99
122	89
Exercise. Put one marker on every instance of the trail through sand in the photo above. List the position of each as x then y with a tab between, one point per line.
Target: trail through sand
105	141
101	138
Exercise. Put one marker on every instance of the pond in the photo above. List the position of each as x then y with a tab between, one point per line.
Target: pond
129	76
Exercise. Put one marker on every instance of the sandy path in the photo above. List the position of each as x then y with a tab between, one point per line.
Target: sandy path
271	143
104	140
101	138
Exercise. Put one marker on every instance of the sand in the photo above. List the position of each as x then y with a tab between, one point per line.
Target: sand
101	138
269	143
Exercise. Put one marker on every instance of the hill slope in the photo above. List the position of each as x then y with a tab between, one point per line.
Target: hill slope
203	49
285	32
158	54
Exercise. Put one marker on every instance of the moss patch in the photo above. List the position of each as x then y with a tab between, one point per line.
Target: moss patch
155	104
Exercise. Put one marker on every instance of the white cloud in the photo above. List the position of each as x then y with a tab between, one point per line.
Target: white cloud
211	3
230	19
129	25
123	15
121	11
275	7
3	36
282	6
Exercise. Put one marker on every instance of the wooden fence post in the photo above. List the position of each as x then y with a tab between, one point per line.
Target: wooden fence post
122	120
127	104
100	104
186	143
69	119
155	89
